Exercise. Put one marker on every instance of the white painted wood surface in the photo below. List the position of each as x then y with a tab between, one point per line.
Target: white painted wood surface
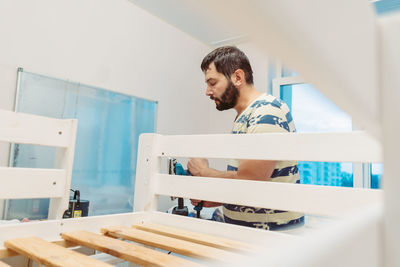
22	128
310	199
355	146
390	111
31	183
55	183
352	241
148	163
64	160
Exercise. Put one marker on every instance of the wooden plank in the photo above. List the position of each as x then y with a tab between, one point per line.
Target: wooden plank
51	230
7	253
3	264
124	250
50	254
31	183
24	128
198	238
354	146
171	244
311	199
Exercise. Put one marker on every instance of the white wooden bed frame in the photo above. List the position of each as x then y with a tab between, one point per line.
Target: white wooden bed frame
346	204
366	231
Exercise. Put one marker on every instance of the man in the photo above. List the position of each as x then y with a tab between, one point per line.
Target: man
229	79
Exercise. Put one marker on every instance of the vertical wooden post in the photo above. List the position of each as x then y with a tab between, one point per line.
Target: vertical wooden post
64	160
390	112
148	164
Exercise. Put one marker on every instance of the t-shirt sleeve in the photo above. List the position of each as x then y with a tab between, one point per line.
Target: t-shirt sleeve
268	119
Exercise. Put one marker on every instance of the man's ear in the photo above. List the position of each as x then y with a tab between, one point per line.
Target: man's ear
238	78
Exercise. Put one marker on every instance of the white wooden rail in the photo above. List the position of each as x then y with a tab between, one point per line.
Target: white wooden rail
322	200
310	199
354	146
37	130
17	183
54	183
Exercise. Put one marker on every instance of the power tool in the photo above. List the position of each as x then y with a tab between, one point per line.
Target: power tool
176	168
77	207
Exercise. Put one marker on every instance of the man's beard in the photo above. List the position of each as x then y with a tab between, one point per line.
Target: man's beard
228	99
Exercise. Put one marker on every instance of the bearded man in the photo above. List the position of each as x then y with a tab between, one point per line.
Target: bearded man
229	79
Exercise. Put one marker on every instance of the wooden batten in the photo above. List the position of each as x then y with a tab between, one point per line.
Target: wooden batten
50	254
7	253
198	238
124	250
2	264
178	246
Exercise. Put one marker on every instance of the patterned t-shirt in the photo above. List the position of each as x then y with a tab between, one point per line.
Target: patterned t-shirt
266	114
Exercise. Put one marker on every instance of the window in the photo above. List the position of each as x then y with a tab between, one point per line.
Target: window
109	125
313	112
376	175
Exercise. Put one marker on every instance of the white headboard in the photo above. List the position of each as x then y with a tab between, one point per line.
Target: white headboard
54	183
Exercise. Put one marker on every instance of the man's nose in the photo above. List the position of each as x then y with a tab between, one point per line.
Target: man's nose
209	92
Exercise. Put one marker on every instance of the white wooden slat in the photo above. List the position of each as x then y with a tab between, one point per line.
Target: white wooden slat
311	199
335	147
31	183
32	129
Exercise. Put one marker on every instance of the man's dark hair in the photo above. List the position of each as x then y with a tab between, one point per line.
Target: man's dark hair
227	60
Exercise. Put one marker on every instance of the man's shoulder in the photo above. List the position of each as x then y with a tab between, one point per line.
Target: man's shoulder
267	104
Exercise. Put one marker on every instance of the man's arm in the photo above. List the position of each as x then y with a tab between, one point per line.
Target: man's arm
258	170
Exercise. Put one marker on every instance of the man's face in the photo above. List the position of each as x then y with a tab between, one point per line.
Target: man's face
220	89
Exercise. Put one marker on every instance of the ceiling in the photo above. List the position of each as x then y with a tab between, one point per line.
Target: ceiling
192	17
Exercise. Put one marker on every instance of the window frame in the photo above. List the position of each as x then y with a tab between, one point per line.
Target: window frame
361	171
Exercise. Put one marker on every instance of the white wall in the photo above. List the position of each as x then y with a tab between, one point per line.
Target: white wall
114	45
107	43
111	44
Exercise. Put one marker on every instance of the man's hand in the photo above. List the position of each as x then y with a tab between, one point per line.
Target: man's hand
198	167
206	204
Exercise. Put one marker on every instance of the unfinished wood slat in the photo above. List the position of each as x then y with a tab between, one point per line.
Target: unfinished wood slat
50	254
171	244
3	264
7	253
199	238
124	250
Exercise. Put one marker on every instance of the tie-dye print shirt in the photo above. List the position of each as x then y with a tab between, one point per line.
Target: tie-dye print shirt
266	114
